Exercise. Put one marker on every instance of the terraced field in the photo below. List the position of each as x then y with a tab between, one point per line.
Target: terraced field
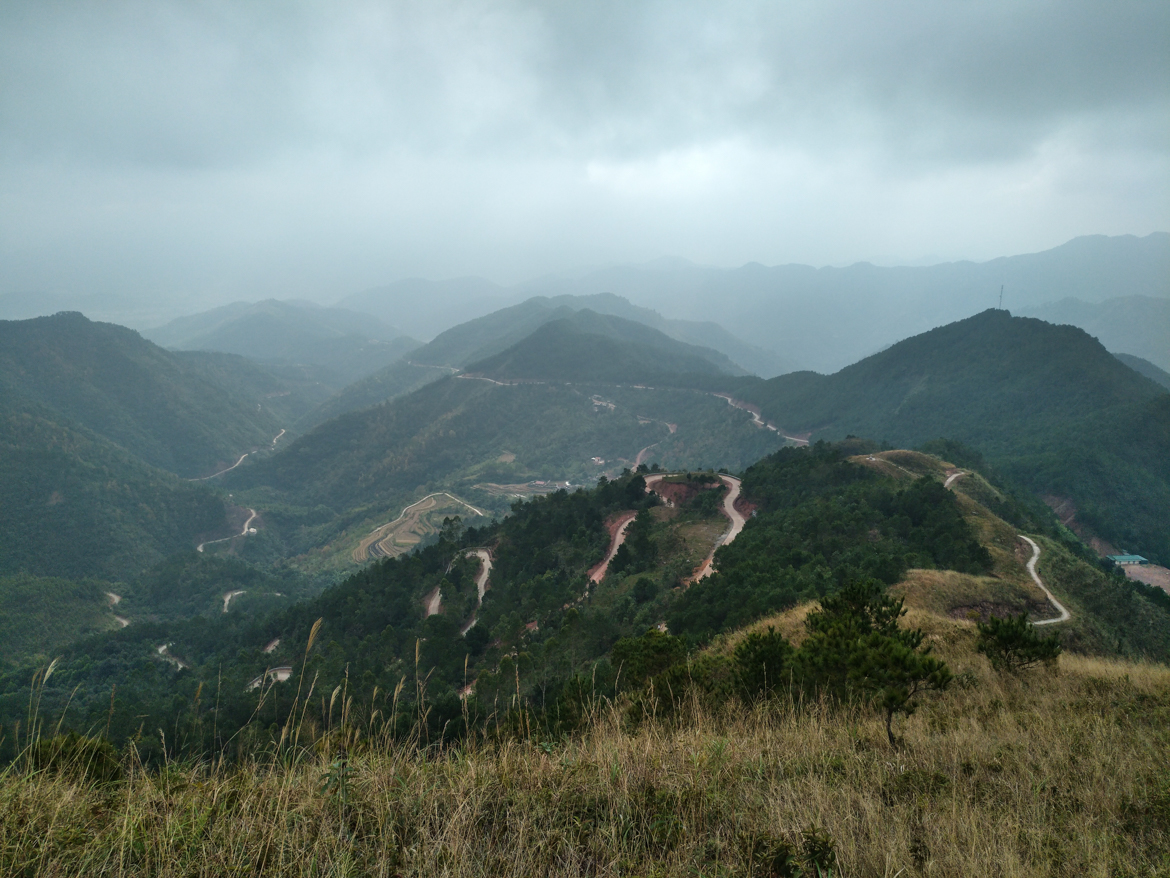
417	522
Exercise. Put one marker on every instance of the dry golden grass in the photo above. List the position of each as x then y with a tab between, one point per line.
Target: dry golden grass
1063	773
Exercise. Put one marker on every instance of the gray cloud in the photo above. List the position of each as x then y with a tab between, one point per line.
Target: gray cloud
212	148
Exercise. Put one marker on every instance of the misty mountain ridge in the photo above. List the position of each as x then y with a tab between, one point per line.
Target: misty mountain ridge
1137	325
348	345
588	346
823	318
483	337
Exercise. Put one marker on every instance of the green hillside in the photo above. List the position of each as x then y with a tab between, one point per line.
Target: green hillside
462	433
1134	325
824	523
487	337
39	616
111	381
1046	404
588	346
386	384
75	505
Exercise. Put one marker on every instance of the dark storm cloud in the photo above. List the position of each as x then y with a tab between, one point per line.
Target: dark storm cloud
439	137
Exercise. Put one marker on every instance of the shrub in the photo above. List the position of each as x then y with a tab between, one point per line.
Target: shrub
1013	645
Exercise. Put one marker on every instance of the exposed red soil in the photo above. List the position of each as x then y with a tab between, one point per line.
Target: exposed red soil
679	493
1066	511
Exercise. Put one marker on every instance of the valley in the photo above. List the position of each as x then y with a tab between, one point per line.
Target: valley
575	527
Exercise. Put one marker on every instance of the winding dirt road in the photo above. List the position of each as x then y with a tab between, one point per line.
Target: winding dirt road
481	585
619	536
733	515
243	533
116	599
237	463
1064	614
227	598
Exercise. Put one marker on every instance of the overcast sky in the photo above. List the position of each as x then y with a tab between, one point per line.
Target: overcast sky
212	151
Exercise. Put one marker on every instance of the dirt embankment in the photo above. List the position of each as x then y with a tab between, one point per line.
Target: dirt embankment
1066	511
680	493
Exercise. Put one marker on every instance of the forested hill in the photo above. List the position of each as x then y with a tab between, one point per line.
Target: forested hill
1046	403
75	505
588	346
483	338
109	380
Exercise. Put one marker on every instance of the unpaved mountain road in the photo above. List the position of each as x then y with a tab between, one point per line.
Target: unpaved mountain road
116	599
481	585
243	533
237	463
227	598
733	515
728	509
754	411
1064	614
952	478
619	536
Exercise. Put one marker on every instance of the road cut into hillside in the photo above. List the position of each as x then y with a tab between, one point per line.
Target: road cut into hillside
237	463
952	478
1064	614
248	529
754	411
617	536
737	522
481	585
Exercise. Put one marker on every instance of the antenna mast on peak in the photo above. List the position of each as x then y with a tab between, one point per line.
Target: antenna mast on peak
1001	297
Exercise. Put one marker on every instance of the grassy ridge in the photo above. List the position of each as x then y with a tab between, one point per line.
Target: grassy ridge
1060	774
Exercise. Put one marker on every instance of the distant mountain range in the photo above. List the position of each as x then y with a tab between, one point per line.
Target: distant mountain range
347	345
815	318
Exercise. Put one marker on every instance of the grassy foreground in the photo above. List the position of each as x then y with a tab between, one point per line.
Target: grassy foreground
1064	773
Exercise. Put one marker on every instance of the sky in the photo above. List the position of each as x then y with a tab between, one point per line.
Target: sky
201	152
